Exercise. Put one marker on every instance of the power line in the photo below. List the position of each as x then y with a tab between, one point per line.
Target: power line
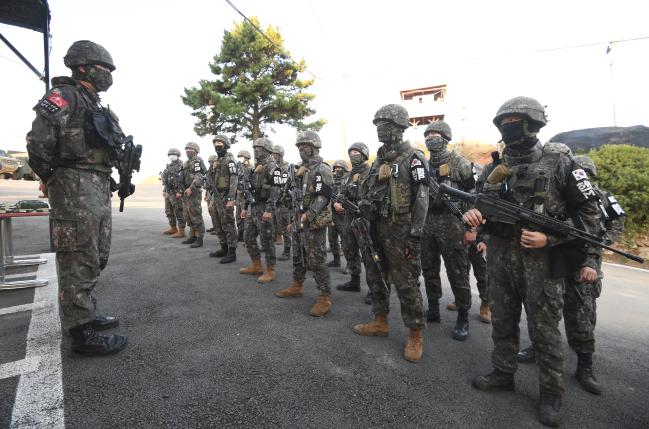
585	45
271	42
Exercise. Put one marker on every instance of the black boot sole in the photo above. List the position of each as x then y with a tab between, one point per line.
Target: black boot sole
99	353
104	326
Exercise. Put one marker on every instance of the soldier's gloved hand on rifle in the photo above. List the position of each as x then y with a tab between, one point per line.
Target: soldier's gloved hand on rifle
126	190
114	186
473	218
413	247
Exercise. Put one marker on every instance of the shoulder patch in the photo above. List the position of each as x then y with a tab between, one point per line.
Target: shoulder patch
232	167
415	162
277	177
197	166
579	174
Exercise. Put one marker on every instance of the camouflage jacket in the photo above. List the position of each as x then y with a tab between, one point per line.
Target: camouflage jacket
266	184
224	175
316	181
63	133
170	178
351	187
192	173
455	171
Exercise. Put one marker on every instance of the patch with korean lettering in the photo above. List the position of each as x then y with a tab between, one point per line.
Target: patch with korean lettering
586	189
54	102
277	177
615	206
197	166
579	174
321	188
284	177
232	167
417	171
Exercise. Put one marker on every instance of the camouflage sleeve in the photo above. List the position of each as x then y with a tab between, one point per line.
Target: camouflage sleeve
466	175
419	179
274	180
199	174
234	180
323	182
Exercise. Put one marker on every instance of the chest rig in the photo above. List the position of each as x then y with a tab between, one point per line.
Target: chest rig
351	187
389	187
222	173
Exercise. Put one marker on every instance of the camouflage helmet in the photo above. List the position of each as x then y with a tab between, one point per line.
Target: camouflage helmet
193	146
556	147
587	164
361	147
309	137
263	142
223	139
439	127
244	154
341	163
393	113
83	52
173	151
211	159
527	107
278	149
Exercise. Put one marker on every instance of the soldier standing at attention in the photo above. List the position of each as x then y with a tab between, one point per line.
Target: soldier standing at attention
266	184
225	180
244	169
282	212
334	231
520	261
193	172
444	232
315	179
73	161
209	194
172	195
395	200
351	189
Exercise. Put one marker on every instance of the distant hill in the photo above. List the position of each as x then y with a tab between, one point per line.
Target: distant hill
592	138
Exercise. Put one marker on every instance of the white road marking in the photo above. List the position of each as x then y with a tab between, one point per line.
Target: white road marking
19	308
626	266
19	367
39	396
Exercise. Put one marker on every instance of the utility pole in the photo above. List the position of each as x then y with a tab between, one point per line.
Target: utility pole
609	49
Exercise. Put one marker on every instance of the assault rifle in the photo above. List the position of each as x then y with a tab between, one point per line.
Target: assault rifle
438	196
128	161
510	213
297	201
361	229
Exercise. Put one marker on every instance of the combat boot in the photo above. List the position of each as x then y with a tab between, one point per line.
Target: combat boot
321	306
230	257
414	346
335	262
549	408
295	290
197	243
171	230
368	297
353	285
253	269
85	341
495	381
221	252
485	312
461	331
286	255
451	306
584	374
190	240
432	315
279	239
268	276
376	328
102	323
526	355
180	233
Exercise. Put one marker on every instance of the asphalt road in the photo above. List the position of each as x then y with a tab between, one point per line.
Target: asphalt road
209	347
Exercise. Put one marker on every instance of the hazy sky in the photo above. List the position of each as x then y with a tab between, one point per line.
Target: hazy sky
362	52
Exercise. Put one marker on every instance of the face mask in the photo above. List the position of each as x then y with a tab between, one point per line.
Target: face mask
220	150
388	133
260	153
357	159
100	79
436	144
338	173
305	153
173	158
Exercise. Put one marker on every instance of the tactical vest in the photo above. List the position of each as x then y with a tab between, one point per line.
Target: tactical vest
449	173
351	187
191	168
222	172
261	181
171	176
308	185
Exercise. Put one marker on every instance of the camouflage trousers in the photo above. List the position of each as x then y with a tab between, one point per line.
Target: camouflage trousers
174	212
479	265
80	225
255	226
391	240
241	223
224	223
282	219
211	210
350	246
518	277
443	238
580	313
334	232
194	214
316	255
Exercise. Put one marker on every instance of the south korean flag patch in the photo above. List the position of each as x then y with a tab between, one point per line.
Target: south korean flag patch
417	171
579	174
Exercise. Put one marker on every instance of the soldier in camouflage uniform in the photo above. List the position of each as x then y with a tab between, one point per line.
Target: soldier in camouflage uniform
282	213
395	200
244	168
521	262
225	181
74	164
172	195
315	179
351	189
580	306
334	231
266	184
209	194
444	233
192	182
